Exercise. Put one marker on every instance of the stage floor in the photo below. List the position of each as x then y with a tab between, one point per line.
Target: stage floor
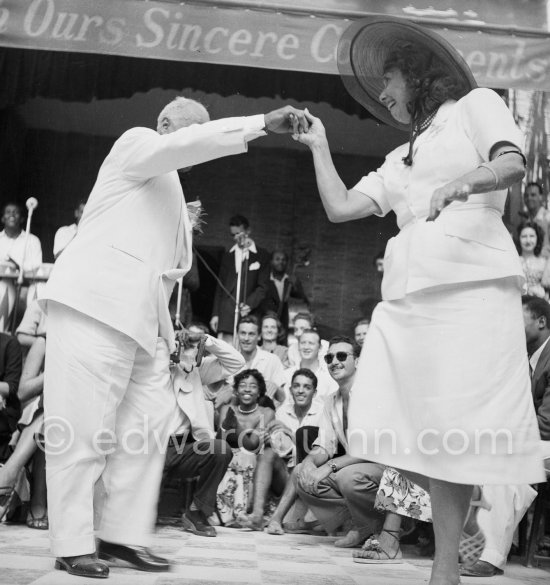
235	557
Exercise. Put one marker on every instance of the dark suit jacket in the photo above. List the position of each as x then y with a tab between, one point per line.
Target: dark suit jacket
540	386
272	302
11	362
253	286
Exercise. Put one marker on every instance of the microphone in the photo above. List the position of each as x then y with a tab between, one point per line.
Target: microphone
31	203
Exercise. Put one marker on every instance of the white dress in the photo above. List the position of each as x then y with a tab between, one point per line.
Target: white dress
442	386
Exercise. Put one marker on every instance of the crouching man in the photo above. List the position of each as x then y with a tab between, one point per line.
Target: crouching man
340	489
193	450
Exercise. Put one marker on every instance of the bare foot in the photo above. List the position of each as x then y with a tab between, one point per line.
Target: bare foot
274	527
254	523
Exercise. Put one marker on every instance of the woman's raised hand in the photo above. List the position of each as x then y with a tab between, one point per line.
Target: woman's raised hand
315	134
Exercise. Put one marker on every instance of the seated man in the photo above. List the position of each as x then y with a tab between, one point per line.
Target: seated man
340	489
309	347
302	321
292	433
193	450
10	407
510	502
268	364
28	451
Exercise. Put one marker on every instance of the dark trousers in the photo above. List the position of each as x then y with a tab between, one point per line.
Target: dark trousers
207	459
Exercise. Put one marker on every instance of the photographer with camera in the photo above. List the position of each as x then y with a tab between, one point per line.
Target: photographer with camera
193	450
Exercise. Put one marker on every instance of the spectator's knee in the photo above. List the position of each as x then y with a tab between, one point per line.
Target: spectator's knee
353	479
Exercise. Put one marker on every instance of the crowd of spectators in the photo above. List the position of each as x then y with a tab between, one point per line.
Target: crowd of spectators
259	437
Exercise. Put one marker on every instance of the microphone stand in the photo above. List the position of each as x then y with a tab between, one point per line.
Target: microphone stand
237	305
244	260
177	316
19	281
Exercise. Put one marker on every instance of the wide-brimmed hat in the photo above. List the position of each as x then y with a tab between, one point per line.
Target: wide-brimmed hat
365	46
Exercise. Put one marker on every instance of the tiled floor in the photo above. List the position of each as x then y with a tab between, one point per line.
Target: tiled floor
235	558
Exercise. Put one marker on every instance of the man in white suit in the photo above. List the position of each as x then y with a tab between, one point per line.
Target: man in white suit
108	397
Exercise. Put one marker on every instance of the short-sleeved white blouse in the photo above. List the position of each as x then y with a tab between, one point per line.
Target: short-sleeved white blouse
468	241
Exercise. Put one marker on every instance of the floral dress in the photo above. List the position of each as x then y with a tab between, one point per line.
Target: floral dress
235	491
401	496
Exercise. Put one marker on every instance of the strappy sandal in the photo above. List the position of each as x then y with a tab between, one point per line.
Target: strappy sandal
373	553
7	493
38	523
471	546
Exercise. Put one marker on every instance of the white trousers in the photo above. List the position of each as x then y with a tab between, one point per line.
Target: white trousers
107	408
508	506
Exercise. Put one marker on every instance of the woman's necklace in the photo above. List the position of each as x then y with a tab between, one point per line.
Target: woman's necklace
416	130
423	124
247	411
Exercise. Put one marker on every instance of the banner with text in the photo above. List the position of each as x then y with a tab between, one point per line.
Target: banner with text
207	33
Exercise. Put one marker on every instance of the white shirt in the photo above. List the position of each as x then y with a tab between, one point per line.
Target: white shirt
279	284
14	249
534	359
284	446
271	368
242	254
63	236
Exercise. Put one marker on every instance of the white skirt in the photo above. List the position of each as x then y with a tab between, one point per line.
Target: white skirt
443	389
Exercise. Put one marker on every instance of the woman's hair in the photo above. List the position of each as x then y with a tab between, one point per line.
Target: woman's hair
540	236
362	321
425	74
256	375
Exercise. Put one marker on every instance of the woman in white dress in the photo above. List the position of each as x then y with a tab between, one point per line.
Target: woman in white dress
442	390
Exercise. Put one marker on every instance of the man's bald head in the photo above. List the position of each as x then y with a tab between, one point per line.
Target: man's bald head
179	113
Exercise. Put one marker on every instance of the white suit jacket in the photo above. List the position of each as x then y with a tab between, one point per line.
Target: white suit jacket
134	238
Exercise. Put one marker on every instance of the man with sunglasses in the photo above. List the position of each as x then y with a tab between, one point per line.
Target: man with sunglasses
340	489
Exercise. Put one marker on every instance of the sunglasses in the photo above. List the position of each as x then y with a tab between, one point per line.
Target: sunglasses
341	356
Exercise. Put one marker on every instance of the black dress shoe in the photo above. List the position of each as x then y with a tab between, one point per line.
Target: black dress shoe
83	566
138	557
195	521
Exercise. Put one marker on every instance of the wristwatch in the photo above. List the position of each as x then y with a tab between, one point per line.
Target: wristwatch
332	465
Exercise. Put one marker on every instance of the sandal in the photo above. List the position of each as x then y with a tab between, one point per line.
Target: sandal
471	546
40	523
372	553
7	493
